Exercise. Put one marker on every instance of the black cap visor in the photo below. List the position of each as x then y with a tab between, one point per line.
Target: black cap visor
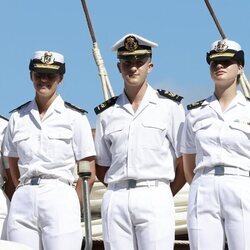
227	55
39	67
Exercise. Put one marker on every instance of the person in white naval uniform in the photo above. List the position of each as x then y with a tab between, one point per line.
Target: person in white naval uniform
45	139
138	155
6	184
216	156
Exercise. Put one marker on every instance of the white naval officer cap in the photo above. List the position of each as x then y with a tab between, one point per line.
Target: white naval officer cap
47	62
133	45
225	49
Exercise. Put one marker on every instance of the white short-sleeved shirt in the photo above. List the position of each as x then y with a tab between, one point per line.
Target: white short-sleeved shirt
3	125
141	144
216	137
51	146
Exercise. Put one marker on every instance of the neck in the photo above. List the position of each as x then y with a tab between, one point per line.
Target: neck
43	103
226	95
136	94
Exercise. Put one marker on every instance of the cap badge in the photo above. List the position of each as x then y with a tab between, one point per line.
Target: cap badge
47	58
221	46
131	44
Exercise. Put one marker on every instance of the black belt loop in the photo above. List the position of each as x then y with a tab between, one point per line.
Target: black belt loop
131	183
219	170
35	181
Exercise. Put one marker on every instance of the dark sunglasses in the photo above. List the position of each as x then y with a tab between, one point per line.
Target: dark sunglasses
49	76
225	62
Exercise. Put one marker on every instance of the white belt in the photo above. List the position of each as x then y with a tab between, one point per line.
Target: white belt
128	184
224	170
41	179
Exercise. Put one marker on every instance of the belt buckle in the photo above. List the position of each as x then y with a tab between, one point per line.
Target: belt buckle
131	183
219	170
35	181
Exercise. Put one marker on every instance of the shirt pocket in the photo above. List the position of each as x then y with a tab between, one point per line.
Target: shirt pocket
242	127
61	134
152	135
238	139
59	144
24	146
115	136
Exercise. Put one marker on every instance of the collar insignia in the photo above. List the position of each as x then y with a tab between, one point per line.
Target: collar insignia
18	108
170	95
110	102
6	119
195	104
131	44
221	46
47	58
75	108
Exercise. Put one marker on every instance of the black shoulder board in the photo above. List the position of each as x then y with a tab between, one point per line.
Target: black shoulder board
195	104
18	108
110	102
75	107
170	95
248	98
6	119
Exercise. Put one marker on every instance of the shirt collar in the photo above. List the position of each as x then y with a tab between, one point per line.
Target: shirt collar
149	96
239	98
57	104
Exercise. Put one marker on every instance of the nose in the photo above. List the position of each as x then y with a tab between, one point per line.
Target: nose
44	77
219	66
133	67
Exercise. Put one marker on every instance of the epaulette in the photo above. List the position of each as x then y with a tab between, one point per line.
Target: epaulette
4	118
110	102
75	107
195	104
18	108
248	98
170	95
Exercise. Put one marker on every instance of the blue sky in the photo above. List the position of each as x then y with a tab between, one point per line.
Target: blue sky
183	29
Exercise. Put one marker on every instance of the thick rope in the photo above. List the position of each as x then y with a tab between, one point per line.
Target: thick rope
106	86
244	85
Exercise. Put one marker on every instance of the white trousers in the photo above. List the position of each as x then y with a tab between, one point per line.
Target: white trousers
46	216
219	209
4	207
138	218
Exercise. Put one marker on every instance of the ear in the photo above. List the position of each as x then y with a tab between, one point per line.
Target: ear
119	66
61	78
150	67
31	75
240	67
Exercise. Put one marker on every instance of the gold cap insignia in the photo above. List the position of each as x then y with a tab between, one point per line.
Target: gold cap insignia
47	58
221	46
131	44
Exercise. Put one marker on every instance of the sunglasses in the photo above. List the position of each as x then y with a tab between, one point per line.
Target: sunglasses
225	63
49	76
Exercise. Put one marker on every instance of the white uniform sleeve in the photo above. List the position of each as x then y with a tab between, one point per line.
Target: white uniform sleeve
188	139
3	159
9	147
83	143
178	118
103	155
